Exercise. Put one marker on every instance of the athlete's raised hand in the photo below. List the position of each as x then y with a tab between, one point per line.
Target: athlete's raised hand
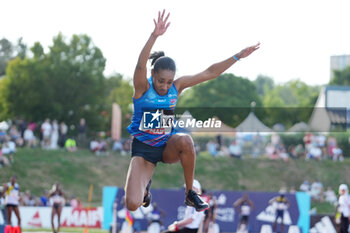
247	51
161	25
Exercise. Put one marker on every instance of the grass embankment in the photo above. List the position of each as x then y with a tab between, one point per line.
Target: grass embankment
37	170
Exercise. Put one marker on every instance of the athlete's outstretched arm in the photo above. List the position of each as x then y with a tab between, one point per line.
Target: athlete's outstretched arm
214	70
140	74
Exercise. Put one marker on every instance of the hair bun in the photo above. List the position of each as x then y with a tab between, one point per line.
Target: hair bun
155	55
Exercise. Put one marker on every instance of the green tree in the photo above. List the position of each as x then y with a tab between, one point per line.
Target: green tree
227	97
8	51
341	77
289	103
6	54
263	84
66	83
120	91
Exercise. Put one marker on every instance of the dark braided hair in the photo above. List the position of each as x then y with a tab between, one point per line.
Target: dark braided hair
162	62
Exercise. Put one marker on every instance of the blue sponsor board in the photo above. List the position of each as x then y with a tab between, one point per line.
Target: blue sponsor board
227	217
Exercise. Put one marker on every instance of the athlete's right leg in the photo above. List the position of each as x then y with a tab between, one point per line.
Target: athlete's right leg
139	174
180	147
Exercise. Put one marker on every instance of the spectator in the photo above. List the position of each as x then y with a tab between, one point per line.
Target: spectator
98	146
43	198
257	145
282	153
270	151
275	140
102	147
235	150
70	145
3	136
54	135
46	130
292	190
29	199
281	204
192	218
74	202
155	223
15	135
2	205
245	207
210	214
292	152
344	208
3	159
299	150
337	154
82	140
94	145
9	148
331	144
211	148
117	146
63	133
11	189
305	187
22	124
57	200
308	138
321	143
330	196
218	142
29	137
127	145
316	191
314	153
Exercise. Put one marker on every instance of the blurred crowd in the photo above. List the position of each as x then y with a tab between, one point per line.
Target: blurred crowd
314	147
318	193
54	135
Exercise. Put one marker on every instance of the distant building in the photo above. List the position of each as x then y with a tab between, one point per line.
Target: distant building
332	109
339	62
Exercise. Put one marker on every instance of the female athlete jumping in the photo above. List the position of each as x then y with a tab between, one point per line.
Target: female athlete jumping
153	97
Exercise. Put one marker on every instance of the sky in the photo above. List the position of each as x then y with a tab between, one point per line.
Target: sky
297	36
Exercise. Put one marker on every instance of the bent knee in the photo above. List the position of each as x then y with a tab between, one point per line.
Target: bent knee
131	204
185	140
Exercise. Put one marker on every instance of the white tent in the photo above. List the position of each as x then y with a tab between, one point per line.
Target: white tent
252	124
299	127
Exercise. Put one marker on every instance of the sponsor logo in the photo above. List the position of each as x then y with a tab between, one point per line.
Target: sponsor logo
152	120
158	120
269	215
325	225
82	218
35	221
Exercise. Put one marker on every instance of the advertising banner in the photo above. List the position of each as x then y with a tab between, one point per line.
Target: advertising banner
40	217
172	203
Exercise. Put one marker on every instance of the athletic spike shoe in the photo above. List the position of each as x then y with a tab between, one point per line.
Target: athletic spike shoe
148	198
193	199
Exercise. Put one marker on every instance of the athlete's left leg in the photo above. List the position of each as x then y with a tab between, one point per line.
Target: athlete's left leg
53	213
16	210
59	211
